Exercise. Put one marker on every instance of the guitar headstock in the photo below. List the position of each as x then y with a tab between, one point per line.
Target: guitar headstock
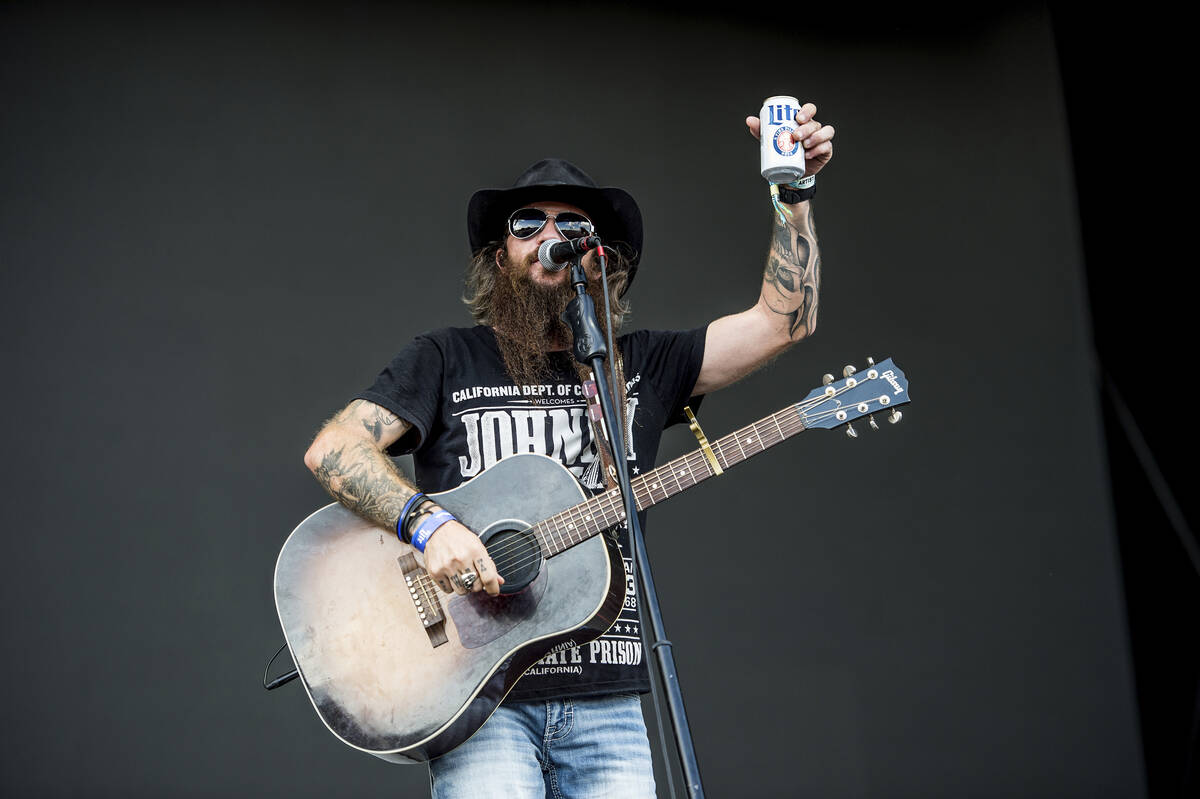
880	387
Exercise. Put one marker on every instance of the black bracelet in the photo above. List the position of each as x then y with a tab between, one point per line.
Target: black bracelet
791	193
413	521
415	501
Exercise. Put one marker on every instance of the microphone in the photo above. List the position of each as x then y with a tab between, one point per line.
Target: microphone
554	255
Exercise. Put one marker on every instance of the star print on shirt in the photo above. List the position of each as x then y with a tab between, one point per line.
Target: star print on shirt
636	470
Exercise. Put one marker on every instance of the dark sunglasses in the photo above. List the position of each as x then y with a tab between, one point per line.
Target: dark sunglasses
526	222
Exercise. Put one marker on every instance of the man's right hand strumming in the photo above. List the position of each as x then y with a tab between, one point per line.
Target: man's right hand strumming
454	550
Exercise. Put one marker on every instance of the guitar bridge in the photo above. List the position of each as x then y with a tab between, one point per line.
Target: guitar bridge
424	596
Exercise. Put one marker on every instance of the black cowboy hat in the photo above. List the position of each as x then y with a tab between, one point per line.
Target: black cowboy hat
618	220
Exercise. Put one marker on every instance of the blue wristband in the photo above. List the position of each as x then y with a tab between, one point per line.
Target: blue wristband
429	526
412	503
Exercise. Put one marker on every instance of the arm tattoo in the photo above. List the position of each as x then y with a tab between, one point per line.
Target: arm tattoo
373	421
792	279
379	419
365	481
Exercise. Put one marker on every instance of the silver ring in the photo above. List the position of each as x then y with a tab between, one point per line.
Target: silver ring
468	579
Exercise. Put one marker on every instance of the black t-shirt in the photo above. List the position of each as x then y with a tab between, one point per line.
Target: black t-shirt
467	413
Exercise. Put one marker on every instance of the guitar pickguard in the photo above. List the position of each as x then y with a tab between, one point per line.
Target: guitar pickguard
481	619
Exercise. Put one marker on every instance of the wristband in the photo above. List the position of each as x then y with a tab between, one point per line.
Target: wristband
798	191
428	527
402	522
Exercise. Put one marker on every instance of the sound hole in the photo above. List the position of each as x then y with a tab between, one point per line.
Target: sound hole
517	556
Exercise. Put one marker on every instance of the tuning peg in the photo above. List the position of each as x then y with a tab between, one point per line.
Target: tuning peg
826	380
870	361
849	370
871	420
850	431
895	415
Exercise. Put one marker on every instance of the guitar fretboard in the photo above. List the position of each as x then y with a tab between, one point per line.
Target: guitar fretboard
577	524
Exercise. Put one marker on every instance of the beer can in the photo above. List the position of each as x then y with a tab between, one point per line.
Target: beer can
781	157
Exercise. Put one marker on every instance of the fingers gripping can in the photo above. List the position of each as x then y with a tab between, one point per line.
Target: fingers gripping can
781	157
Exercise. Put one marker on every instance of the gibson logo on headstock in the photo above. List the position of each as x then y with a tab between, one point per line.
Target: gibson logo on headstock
890	376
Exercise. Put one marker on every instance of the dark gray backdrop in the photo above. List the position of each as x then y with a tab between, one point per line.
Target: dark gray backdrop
219	223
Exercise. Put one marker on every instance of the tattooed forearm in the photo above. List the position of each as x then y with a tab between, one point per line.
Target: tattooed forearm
792	278
353	465
364	480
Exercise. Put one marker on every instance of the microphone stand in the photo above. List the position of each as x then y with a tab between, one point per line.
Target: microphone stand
590	349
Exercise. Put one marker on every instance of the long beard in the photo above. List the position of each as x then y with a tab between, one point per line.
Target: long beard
533	339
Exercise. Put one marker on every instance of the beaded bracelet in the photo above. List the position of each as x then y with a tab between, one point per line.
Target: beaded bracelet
428	527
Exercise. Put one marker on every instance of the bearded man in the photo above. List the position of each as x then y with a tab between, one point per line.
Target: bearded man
461	399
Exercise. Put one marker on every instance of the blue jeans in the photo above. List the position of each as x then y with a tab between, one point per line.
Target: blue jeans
592	748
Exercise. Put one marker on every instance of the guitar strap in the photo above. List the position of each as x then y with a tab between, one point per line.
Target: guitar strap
596	420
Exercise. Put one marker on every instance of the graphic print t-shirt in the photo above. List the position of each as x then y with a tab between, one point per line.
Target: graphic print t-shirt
467	414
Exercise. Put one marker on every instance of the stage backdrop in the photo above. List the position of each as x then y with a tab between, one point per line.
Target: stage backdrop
218	224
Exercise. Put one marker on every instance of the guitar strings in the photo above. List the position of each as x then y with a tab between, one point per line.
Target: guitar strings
602	509
518	550
579	513
690	460
611	517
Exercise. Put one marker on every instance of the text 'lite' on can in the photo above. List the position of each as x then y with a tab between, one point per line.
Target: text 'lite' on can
781	157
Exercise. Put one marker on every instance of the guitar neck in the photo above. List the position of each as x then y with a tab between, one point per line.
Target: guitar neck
577	524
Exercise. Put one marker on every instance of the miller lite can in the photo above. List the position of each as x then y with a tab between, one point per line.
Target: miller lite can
781	157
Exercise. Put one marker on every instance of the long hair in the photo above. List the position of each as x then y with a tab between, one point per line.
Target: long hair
480	285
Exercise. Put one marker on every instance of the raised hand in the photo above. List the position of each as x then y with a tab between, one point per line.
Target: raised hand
814	137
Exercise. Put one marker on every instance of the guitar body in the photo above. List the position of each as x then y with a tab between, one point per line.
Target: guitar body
385	682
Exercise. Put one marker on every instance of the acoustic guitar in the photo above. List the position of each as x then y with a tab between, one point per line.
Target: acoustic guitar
400	670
